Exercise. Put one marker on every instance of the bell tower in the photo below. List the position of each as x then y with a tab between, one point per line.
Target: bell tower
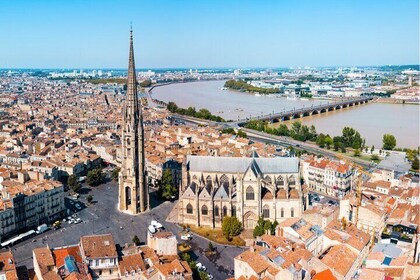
133	190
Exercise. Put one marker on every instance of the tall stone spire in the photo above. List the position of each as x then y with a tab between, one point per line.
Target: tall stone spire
133	190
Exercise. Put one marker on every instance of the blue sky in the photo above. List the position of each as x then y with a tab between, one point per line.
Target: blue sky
282	33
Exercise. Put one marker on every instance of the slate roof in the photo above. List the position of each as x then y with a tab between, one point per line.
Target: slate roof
241	164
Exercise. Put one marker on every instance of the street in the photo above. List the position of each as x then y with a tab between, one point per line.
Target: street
103	217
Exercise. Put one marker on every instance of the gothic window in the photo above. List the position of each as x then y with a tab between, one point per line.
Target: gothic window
282	212
250	193
280	181
292	212
209	181
189	209
224	211
266	212
216	211
224	181
194	178
268	179
204	210
292	180
233	211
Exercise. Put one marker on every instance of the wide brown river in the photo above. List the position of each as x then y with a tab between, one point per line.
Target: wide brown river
372	120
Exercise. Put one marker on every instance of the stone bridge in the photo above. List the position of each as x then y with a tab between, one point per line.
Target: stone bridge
308	111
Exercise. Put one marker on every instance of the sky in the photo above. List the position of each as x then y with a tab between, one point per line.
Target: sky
205	34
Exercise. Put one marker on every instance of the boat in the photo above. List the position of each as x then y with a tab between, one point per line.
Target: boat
257	94
304	99
222	88
290	97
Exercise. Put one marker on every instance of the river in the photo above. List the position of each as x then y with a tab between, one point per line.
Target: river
372	120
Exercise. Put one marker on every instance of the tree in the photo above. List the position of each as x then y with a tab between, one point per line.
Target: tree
73	183
146	83
211	247
351	138
203	275
264	226
415	164
241	134
167	188
356	153
328	141
321	140
172	107
231	227
115	173
372	149
95	177
389	142
136	240
89	198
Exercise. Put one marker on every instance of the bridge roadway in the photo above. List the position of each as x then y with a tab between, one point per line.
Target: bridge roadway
305	111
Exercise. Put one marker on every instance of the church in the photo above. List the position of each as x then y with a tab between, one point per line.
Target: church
245	187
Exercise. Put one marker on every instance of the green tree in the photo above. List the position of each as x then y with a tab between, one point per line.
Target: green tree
115	173
95	177
356	153
172	107
372	149
146	83
203	275
89	198
73	183
231	227
328	141
389	142
241	134
351	138
321	140
136	240
167	187
415	164
264	226
211	247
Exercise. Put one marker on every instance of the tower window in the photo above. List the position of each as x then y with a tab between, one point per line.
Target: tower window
250	193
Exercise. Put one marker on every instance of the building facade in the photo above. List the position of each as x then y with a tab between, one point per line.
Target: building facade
26	203
246	187
333	178
133	191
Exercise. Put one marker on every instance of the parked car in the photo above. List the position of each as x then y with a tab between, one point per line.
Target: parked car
201	267
42	228
186	236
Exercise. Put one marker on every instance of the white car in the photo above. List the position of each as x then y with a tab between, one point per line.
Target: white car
201	267
78	220
186	236
211	277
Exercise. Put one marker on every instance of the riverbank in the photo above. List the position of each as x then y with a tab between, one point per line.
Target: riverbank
395	101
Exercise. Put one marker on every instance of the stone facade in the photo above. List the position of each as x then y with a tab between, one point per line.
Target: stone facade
248	188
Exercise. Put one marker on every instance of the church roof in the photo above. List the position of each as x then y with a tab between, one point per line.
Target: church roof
222	192
241	164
